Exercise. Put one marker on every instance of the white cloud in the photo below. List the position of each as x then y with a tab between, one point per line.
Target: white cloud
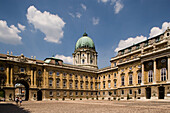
72	15
9	35
84	6
66	59
118	6
21	27
95	21
156	30
51	25
78	15
129	42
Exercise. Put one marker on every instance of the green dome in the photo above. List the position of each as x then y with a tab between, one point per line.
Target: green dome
85	42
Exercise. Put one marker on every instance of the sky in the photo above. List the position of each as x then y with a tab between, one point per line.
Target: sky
44	28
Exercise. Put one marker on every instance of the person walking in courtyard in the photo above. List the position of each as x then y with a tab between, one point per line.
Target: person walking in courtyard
16	100
20	101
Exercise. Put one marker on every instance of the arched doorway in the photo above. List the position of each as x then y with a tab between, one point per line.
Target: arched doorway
39	95
2	94
22	89
148	93
161	92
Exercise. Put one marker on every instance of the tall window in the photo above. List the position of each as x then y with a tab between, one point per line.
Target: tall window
50	73
83	61
91	85
50	82
64	83
76	85
122	78
114	83
130	79
103	84
109	76
109	85
86	85
163	74
70	84
150	76
95	85
81	85
139	78
58	83
58	74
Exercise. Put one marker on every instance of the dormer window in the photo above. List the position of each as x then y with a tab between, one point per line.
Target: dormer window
146	44
137	47
129	50
167	34
122	52
114	64
157	39
83	61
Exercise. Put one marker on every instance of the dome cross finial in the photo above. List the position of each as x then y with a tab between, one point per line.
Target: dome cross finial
85	34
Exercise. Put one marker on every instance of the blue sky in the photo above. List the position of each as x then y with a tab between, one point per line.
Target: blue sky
52	27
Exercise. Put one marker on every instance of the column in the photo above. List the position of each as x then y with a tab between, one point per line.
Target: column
44	78
11	76
35	80
7	78
73	85
168	71
31	77
154	69
142	74
54	80
80	58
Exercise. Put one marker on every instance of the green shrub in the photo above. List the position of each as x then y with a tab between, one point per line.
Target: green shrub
128	96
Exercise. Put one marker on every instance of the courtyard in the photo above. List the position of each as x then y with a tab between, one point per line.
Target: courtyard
87	106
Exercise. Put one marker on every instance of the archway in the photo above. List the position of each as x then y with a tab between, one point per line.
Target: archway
39	95
22	89
2	94
148	93
161	92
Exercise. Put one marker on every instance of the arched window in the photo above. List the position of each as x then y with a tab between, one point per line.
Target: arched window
83	61
139	77
163	74
150	76
130	79
122	78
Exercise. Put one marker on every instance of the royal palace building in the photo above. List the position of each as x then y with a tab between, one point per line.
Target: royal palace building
141	71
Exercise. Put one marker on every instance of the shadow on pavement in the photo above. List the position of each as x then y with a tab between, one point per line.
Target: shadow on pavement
11	108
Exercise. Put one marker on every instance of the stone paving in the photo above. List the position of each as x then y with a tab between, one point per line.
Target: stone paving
86	106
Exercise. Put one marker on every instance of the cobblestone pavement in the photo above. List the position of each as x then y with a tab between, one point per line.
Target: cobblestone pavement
87	106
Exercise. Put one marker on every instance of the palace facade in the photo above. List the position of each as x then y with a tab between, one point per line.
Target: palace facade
141	71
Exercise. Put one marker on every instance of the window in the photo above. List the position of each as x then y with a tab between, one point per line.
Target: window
91	93
50	82
129	50
86	77
81	85
58	74
130	91
70	84
104	77
103	93
70	75
91	78
122	79
58	83
64	74
122	52
39	72
157	39
76	93
137	46
76	76
130	79
91	85
87	85
139	77
114	64
114	83
83	61
122	70
71	93
81	93
130	68
64	83
163	74
167	34
96	93
139	91
109	85
51	93
76	85
2	68
146	44
58	93
150	76
115	75
99	93
50	73
103	84
114	92
96	86
22	69
81	77
95	78
83	55
87	93
99	85
65	93
122	92
99	78
109	76
91	61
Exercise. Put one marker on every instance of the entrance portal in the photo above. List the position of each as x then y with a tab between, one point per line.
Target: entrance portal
161	92
39	95
148	93
22	90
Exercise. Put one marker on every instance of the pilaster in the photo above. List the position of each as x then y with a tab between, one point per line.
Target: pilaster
142	73
154	69
168	71
11	77
7	73
35	80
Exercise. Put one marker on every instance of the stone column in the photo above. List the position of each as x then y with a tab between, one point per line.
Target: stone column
32	77
154	69
44	78
35	80
54	80
80	58
168	71
7	78
11	76
143	74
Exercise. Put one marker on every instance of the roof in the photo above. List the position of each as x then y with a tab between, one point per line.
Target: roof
85	42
